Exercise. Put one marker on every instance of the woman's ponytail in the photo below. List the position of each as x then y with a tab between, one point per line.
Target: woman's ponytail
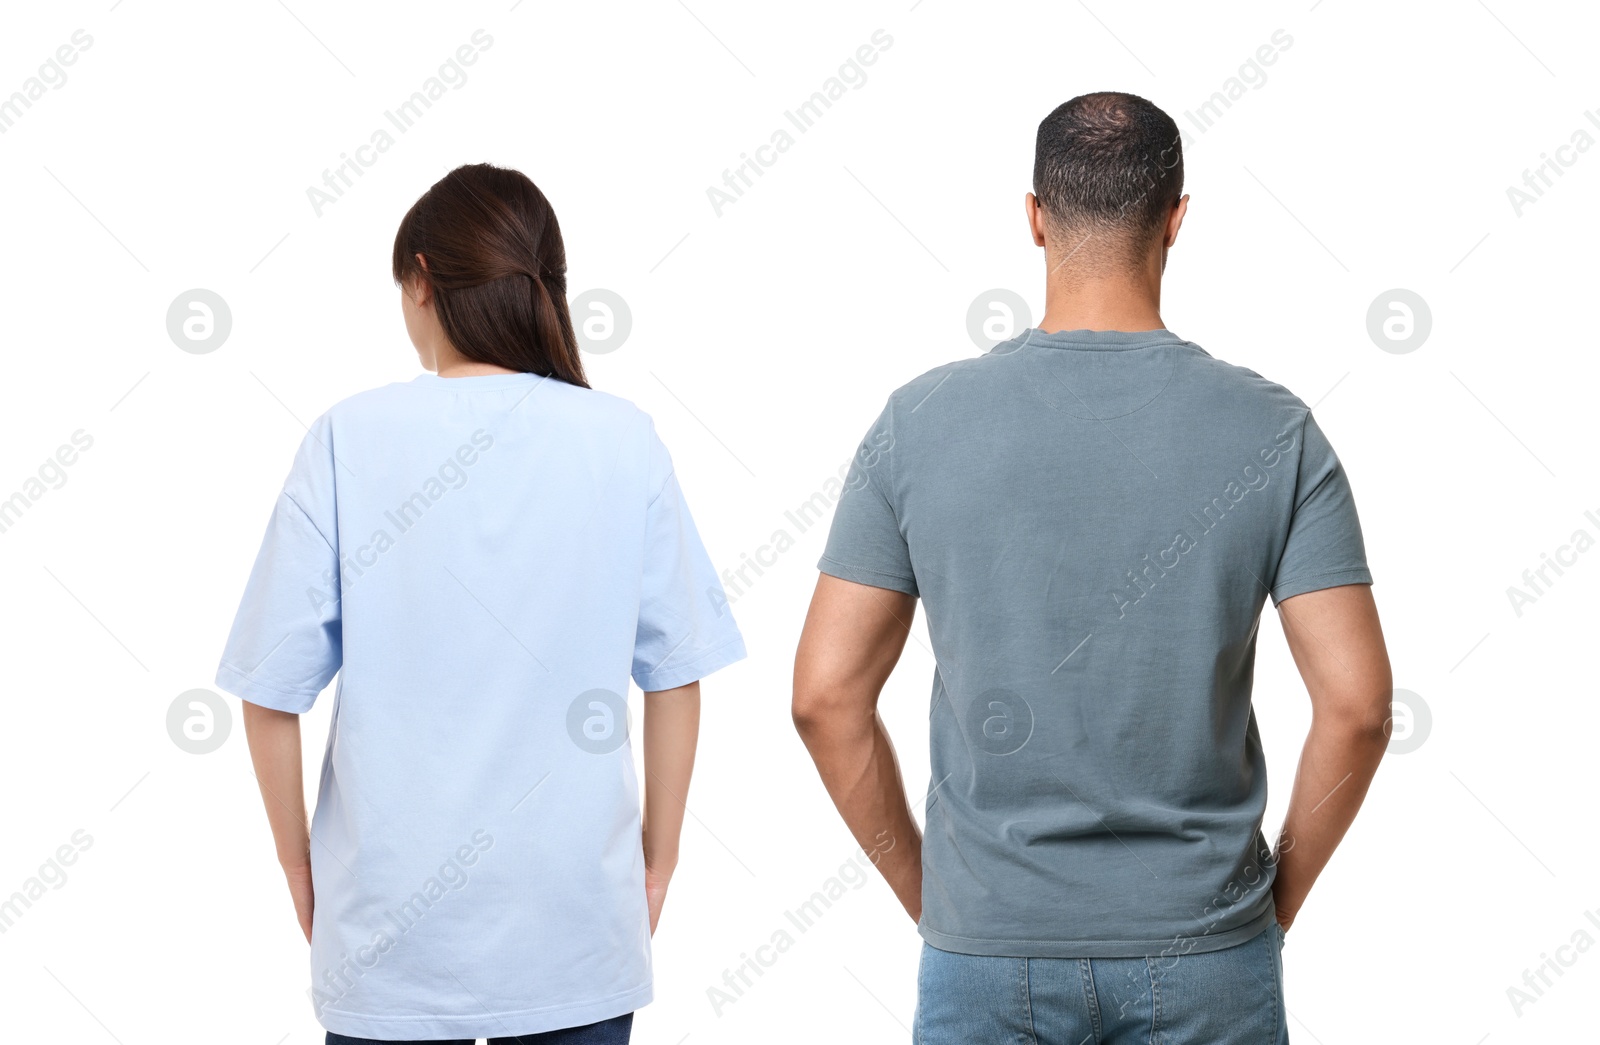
552	325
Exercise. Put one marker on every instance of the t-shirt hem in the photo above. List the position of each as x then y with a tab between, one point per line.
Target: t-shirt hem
1318	581
1176	945
681	675
488	1024
864	575
257	692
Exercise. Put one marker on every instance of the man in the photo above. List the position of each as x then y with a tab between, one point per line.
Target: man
1094	514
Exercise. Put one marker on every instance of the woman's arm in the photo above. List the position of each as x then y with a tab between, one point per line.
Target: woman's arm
274	738
671	728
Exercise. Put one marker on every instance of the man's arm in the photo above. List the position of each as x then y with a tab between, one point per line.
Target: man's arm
274	738
1337	644
852	639
671	731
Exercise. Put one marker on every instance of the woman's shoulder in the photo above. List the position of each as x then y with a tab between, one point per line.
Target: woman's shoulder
572	400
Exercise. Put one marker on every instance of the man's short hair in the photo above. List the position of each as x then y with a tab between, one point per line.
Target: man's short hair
1110	163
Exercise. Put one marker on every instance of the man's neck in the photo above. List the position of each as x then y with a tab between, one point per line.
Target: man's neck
1098	300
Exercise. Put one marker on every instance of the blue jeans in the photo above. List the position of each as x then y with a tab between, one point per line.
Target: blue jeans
606	1032
1229	997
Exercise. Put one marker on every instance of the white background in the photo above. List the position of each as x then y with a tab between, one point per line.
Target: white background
1377	154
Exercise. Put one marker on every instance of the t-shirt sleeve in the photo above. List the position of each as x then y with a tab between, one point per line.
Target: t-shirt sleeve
285	645
686	629
1324	548
865	542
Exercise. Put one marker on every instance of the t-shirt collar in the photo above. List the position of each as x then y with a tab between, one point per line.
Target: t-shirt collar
1095	339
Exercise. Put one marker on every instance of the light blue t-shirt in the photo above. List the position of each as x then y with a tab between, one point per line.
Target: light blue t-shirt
484	562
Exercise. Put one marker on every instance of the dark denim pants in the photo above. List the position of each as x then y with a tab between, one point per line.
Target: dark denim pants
606	1032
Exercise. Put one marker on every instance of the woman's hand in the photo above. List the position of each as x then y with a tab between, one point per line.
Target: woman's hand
655	891
299	879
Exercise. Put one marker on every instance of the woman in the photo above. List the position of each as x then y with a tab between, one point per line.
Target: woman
484	555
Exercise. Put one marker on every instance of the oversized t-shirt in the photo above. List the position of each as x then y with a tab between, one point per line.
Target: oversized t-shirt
485	562
1093	521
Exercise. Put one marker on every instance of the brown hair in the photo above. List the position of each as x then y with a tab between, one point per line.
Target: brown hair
497	267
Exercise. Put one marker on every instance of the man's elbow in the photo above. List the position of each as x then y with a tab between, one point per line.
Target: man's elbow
822	708
1365	715
810	709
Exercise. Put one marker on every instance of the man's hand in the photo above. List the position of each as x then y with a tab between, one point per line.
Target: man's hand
299	879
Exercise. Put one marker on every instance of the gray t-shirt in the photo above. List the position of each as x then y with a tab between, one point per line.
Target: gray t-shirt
1093	521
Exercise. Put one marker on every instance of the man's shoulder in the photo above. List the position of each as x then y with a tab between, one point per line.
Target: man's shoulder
1238	385
910	396
1197	368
